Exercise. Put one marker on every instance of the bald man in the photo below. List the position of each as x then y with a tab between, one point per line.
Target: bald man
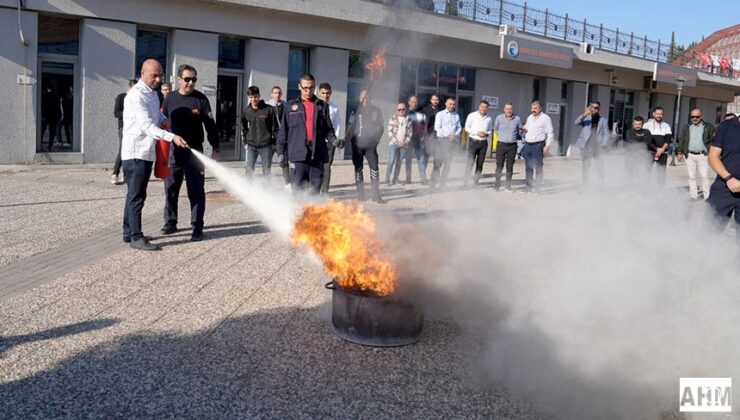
141	128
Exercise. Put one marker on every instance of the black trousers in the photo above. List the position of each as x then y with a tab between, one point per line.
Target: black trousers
327	169
52	125
724	202
359	154
505	153
285	167
117	165
137	173
476	155
193	172
308	175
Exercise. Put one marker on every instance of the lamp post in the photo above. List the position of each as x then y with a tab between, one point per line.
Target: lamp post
676	121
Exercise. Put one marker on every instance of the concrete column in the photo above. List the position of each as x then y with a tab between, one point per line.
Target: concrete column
200	50
267	65
330	65
642	104
603	95
19	107
508	87
385	96
551	93
708	109
107	54
577	102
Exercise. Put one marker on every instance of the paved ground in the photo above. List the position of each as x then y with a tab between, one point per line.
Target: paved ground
235	326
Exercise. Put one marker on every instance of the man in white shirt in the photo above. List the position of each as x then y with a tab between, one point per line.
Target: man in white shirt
538	136
661	137
448	129
479	126
141	128
336	122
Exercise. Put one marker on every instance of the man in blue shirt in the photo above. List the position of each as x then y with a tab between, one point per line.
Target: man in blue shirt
724	158
509	129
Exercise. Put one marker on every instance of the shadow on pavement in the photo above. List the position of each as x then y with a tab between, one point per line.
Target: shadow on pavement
6	343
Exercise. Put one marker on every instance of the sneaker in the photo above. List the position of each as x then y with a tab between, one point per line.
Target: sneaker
168	229
127	239
121	181
114	179
144	245
379	200
197	235
288	188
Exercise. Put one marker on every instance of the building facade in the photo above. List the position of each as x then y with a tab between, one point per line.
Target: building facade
70	58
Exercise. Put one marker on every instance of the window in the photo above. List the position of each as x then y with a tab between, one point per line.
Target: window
151	44
466	79
58	35
230	53
408	80
356	68
297	66
536	90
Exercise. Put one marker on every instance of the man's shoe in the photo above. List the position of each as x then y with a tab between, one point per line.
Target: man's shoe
197	236
144	245
127	239
114	179
378	199
168	229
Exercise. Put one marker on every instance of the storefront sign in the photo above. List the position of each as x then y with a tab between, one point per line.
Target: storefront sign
527	50
668	73
553	108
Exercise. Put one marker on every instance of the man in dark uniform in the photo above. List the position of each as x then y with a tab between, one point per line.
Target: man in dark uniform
188	111
275	94
305	129
51	111
364	134
724	158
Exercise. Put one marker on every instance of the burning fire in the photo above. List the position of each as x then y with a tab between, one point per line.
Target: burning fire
377	66
343	236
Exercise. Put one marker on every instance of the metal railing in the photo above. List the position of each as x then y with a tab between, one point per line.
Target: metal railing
551	25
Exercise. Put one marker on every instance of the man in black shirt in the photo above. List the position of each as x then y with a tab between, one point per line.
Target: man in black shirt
364	134
636	160
259	132
188	111
118	113
724	159
431	110
51	111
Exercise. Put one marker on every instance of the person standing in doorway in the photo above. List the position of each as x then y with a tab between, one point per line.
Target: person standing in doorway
509	129
304	132
479	127
116	177
276	94
259	132
660	138
593	136
399	138
51	111
336	122
68	101
418	138
364	134
447	128
141	128
539	134
693	145
188	111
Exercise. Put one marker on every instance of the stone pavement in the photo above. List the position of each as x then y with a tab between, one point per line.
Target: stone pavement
236	326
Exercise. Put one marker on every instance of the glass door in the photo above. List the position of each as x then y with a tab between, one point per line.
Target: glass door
57	105
228	115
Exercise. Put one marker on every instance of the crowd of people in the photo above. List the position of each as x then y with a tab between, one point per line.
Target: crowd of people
302	133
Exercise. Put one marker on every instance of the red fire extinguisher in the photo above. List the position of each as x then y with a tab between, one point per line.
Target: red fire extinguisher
162	163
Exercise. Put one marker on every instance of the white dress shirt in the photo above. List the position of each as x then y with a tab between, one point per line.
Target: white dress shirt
477	122
336	119
539	129
447	123
141	124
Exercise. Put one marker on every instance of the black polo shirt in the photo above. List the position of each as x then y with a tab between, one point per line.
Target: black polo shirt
727	138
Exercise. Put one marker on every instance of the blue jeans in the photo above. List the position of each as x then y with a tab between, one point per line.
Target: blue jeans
136	172
395	156
265	154
533	160
419	148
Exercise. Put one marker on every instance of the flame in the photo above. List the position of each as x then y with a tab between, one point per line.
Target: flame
377	66
343	236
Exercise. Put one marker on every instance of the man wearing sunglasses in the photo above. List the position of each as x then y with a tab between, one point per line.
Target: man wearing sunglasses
593	136
693	145
188	110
